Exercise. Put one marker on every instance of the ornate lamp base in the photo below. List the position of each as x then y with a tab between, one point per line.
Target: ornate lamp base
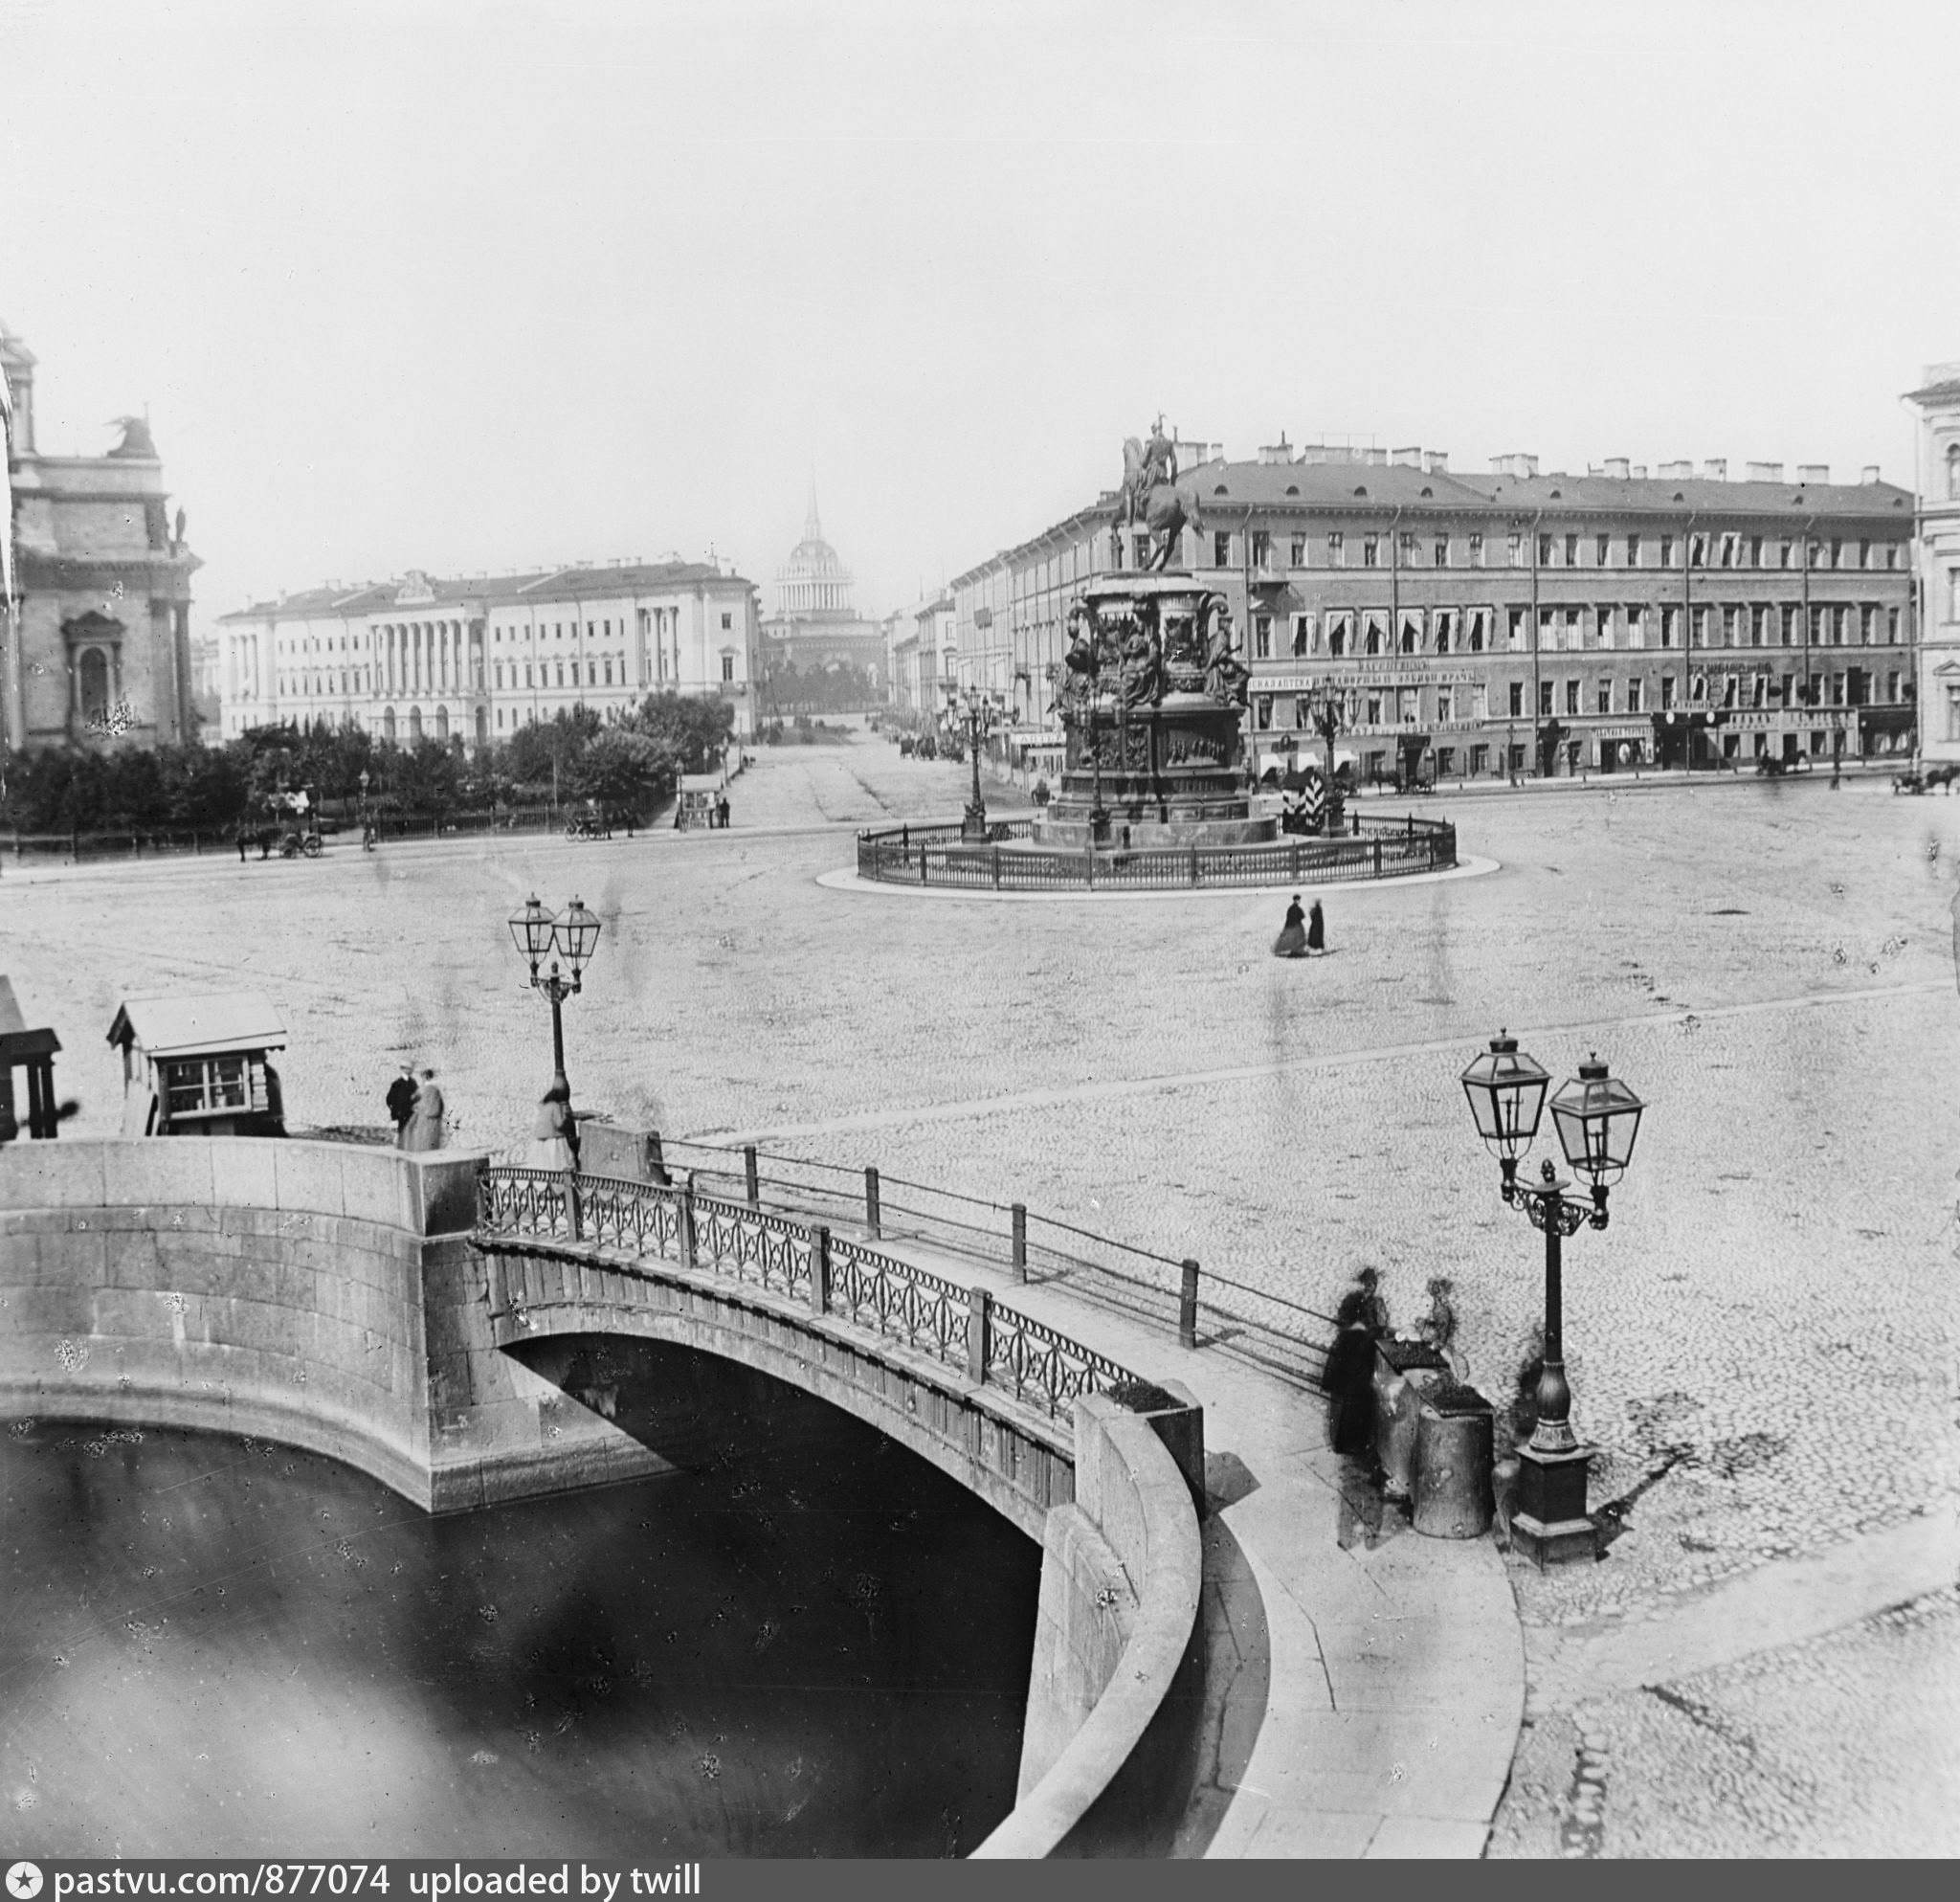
1549	1521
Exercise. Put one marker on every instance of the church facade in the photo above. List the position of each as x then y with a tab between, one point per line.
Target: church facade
817	651
97	646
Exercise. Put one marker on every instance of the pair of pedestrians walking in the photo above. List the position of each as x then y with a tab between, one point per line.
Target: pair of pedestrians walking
415	1102
1305	935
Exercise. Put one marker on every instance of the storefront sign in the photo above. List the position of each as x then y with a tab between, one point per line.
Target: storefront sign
1366	673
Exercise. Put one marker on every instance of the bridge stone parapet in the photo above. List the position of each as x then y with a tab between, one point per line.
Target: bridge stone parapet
320	1294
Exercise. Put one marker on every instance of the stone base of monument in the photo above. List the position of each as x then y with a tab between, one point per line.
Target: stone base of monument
1143	826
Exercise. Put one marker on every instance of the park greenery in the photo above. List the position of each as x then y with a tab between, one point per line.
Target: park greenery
627	766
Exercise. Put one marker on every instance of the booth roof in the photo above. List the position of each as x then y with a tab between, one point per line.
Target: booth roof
166	1027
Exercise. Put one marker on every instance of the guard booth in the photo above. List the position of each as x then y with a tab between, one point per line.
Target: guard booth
31	1051
200	1066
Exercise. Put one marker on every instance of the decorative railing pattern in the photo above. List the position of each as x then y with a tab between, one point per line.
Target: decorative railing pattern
961	1328
1030	1357
619	1213
533	1203
733	1239
937	855
879	1291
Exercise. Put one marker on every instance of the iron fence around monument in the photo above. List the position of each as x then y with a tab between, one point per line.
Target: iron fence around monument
940	857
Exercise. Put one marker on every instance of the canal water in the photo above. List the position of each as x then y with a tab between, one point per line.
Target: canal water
816	1645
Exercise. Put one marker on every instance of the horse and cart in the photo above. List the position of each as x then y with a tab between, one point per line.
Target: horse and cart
290	827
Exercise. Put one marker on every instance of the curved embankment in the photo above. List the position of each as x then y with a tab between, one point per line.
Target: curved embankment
315	1294
326	1296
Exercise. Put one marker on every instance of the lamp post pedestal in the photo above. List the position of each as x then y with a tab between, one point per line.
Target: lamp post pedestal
1549	1521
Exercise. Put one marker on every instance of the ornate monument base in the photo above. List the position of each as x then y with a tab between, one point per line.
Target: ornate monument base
1152	705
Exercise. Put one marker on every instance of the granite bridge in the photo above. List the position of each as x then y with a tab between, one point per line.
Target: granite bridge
420	1318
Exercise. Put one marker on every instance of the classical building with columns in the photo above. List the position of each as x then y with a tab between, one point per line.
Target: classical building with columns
97	643
815	627
1507	619
475	659
1938	403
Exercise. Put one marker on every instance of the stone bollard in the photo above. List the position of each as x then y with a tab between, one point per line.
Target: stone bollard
873	1216
751	1178
1453	1461
1020	1240
1187	1306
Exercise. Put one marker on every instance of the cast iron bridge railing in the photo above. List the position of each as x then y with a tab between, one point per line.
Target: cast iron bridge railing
937	855
571	1215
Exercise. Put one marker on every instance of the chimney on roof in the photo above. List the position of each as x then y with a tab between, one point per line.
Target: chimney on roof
1519	465
1676	472
1813	472
1870	474
1406	459
1375	458
1436	463
1276	452
1765	472
1618	468
1640	472
1715	469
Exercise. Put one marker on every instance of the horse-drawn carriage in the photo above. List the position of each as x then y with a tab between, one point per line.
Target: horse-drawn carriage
290	827
1923	779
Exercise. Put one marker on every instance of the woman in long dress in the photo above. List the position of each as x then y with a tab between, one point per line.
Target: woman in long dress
554	1136
1315	931
424	1129
1292	939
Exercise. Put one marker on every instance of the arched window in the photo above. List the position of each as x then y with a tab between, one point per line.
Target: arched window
1953	472
94	670
442	722
388	723
415	724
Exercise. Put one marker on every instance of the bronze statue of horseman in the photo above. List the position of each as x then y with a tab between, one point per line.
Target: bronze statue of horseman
1153	498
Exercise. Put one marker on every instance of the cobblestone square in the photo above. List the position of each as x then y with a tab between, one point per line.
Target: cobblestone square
1762	1343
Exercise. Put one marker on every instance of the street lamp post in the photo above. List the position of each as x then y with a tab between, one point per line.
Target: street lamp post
574	938
978	710
1597	1117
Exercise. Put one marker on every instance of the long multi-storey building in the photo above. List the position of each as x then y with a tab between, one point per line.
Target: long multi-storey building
1938	404
476	659
1507	621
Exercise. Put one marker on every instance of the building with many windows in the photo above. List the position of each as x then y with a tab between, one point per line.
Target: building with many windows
476	659
1938	404
1510	620
97	649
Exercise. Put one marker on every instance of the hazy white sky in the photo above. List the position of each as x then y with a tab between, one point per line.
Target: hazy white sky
486	286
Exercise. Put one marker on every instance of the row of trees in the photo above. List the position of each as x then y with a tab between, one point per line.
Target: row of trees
627	765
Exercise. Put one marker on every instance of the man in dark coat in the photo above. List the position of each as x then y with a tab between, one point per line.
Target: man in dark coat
401	1101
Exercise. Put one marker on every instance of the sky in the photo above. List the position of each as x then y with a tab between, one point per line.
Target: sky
488	286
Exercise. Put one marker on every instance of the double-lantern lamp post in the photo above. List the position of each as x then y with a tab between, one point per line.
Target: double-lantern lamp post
980	713
1597	1117
573	937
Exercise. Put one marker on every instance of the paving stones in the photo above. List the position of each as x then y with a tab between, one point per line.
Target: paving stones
1760	1343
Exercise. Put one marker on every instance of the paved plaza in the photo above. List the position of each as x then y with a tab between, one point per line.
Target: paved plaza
1763	1342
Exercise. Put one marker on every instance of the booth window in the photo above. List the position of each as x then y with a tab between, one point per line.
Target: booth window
204	1085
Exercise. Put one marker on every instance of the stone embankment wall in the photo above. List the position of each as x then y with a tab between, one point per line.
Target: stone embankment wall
1111	1744
315	1294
